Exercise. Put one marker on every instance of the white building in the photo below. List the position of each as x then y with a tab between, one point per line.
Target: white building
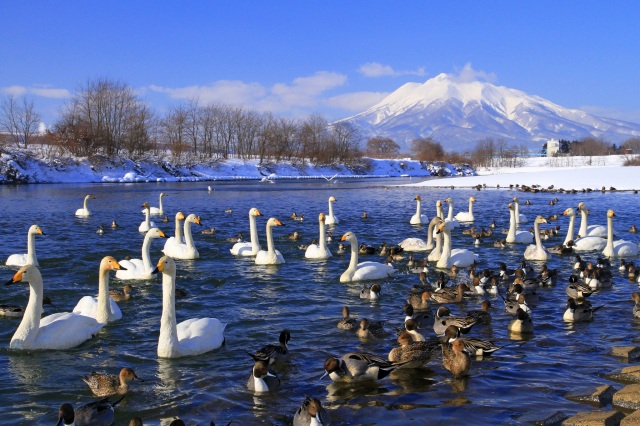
553	146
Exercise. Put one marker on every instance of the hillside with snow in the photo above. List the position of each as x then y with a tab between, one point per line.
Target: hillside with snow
458	114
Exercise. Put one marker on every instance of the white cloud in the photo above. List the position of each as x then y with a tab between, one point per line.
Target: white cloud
224	91
467	74
632	116
375	69
355	102
42	91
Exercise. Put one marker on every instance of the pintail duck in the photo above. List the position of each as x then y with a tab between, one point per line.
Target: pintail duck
444	319
413	354
418	317
420	302
121	295
578	262
294	236
482	316
576	290
411	327
370	330
293	215
347	323
547	276
97	413
472	346
455	359
636	308
261	379
445	297
365	249
364	215
15	311
209	231
492	225
579	310
114	224
624	265
100	230
633	229
527	203
500	243
229	210
236	239
311	413
521	324
372	293
299	218
357	366
102	384
342	249
597	279
275	353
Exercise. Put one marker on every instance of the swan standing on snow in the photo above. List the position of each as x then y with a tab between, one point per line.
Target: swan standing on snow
190	337
453	222
520	218
252	248
158	210
320	250
63	330
146	223
589	231
584	243
467	216
136	269
363	270
29	258
418	244
331	219
271	256
102	308
84	211
537	251
514	236
187	250
418	217
619	248
458	257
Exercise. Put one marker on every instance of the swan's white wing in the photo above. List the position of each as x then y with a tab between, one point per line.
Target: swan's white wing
88	306
200	335
65	330
16	260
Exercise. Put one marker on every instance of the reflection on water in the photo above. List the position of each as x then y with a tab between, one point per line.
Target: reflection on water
529	373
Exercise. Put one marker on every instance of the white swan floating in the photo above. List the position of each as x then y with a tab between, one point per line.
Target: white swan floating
177	236
584	243
331	219
418	244
158	210
467	216
586	230
29	258
364	270
520	218
190	337
140	269
84	211
271	256
453	222
187	250
103	308
146	223
418	218
537	251
515	236
449	257
320	250
58	331
618	248
251	248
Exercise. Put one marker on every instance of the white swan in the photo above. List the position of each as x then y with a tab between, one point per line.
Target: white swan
520	218
418	244
619	248
418	217
584	243
585	229
158	210
84	211
271	256
29	258
363	270
190	337
103	308
136	269
320	250
439	210
187	250
146	223
252	248
331	219
453	222
435	254
458	257
177	238
537	251
515	236
63	330
467	216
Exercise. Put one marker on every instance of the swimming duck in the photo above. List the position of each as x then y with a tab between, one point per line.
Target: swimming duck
100	230
447	297
636	308
413	354
521	324
97	413
372	293
411	327
577	312
633	229
15	311
472	346
299	218
114	224
482	316
365	249
418	317
121	295
342	249
444	319
294	236
455	359
576	290
208	231
229	210
102	384
420	302
364	215
357	366
370	330
261	379
311	413
347	323
293	215
275	353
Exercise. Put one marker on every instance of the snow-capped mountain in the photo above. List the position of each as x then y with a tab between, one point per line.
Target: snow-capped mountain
458	114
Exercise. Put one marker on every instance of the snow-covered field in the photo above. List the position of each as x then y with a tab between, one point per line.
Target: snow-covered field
562	172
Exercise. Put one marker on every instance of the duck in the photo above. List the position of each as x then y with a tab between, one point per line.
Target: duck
311	413
320	250
364	270
636	308
521	324
299	218
140	269
342	249
15	311
578	312
420	301
262	380
357	366
63	330
364	215
271	256
103	384
418	316
84	211
209	231
347	323
586	230
453	222
147	223
618	248
293	236
190	337
103	308
472	346
482	315
515	236
467	216
370	330
370	292
418	218
228	211
114	224
165	219
275	353
537	251
121	295
365	249
411	327
293	215
451	296
455	359
30	257
584	243
632	229
236	239
251	248
412	354
577	290
444	319
520	218
97	413
186	250
449	257
331	219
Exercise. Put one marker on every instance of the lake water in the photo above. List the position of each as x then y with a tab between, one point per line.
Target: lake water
303	296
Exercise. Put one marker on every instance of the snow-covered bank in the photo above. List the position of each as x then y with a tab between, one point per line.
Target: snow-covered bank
33	166
569	173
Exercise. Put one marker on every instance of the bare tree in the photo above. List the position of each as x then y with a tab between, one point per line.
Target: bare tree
427	149
347	140
382	148
19	119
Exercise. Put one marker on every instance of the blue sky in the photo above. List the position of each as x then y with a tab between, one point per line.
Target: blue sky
331	57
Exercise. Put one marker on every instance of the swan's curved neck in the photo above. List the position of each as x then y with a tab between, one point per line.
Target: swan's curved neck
147	217
583	223
446	249
27	331
86	200
450	215
178	234
609	247
353	263
570	229
102	313
31	249
430	234
470	208
330	208
322	242
146	258
253	231
160	205
517	211
439	211
512	226
536	235
270	246
168	343
419	208
188	238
